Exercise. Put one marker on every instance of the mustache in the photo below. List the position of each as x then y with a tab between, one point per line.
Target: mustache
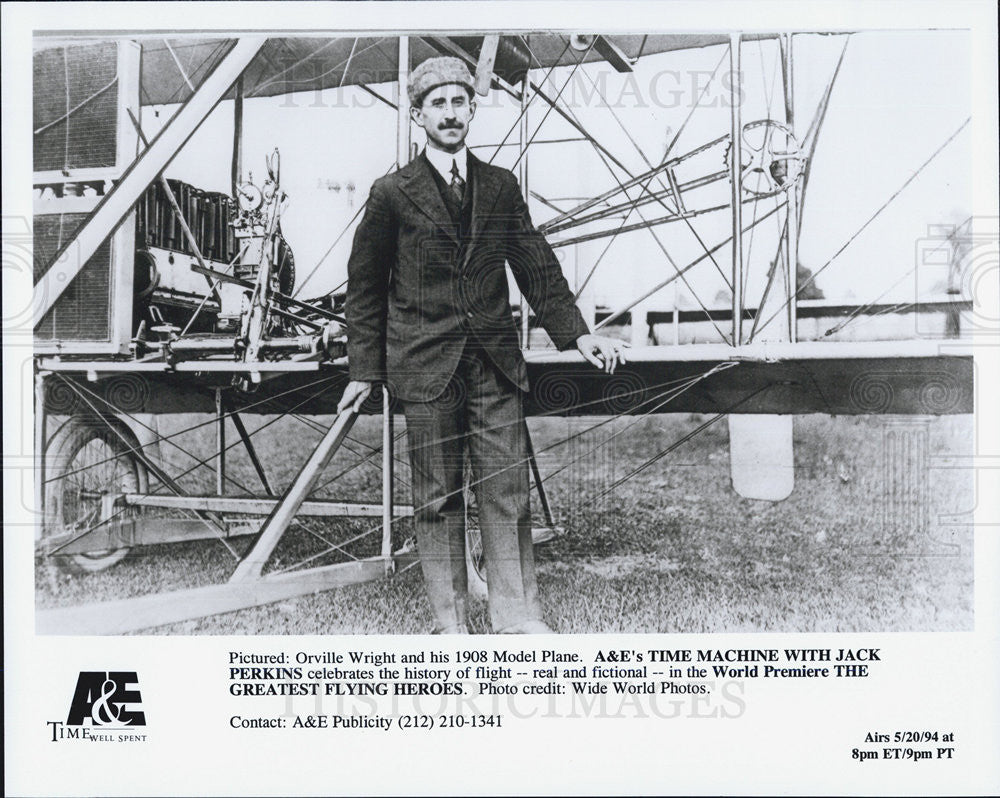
446	125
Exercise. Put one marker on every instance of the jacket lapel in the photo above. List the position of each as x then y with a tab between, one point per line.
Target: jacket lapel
485	194
423	192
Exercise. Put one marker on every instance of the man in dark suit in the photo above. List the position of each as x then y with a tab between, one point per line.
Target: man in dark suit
428	314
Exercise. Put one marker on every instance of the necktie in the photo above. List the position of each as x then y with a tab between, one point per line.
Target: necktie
457	184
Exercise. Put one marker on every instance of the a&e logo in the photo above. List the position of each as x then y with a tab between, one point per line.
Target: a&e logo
103	702
101	698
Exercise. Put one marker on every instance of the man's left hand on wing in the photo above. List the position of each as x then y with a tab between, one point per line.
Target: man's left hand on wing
605	353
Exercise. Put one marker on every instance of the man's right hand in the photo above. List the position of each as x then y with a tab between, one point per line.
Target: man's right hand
354	395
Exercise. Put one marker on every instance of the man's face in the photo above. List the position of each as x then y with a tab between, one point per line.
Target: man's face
445	115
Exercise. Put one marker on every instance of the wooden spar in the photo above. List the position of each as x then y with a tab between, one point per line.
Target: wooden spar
772	303
484	67
259	506
767	351
403	102
41	418
522	167
675	320
761	451
792	225
144	531
403	154
735	174
236	166
145	612
277	522
119	201
387	478
612	53
122	616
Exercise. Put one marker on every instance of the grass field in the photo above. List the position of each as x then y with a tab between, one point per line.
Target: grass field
860	545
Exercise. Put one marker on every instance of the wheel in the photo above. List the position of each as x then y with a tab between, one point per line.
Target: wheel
85	461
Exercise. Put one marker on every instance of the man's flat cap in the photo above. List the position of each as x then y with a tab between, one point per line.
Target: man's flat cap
436	72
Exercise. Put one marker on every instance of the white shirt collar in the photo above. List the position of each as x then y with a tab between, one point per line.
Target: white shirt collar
442	161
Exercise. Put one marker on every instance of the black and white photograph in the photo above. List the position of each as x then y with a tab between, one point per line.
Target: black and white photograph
664	347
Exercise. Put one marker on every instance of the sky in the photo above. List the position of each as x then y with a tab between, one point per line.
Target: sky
898	97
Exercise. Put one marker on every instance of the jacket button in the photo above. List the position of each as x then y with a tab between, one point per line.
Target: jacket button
469	314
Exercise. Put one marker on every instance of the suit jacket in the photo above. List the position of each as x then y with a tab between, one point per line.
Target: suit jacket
418	288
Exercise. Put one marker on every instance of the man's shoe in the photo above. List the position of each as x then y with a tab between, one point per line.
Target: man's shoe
454	629
532	627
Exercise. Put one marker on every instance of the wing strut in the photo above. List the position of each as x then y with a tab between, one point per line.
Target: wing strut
735	169
252	564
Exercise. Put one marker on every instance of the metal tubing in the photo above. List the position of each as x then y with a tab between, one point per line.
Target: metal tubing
119	201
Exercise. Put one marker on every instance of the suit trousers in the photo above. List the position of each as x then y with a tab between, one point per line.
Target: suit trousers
479	413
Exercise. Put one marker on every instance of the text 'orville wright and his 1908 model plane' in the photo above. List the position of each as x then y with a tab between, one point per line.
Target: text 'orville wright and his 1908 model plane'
154	296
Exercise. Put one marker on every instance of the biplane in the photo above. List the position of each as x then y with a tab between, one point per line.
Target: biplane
155	296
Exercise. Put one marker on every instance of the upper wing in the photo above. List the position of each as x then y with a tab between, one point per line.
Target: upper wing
172	67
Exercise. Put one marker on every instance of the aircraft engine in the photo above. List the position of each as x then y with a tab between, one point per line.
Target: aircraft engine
168	286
